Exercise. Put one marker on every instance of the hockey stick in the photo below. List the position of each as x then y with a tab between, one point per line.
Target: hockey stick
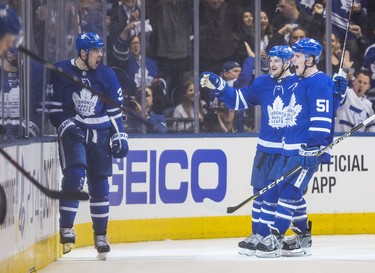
297	168
77	81
341	72
68	195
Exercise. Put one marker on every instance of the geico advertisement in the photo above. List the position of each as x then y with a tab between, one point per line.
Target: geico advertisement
171	178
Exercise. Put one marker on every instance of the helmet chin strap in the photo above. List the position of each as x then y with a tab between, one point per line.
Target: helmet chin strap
86	62
282	72
306	66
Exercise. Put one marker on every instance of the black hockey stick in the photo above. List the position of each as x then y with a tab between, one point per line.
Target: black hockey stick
76	80
69	195
295	169
346	34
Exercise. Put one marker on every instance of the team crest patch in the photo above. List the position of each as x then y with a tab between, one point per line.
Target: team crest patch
85	103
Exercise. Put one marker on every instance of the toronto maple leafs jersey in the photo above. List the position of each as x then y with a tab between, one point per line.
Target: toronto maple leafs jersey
9	98
273	97
67	99
310	115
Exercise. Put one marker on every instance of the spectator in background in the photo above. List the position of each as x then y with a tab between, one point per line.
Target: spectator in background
217	27
238	77
335	56
121	14
266	34
355	108
245	31
289	16
369	65
91	14
170	40
222	120
133	125
185	110
297	34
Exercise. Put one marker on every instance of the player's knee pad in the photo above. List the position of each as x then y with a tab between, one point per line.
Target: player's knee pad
74	178
98	187
291	192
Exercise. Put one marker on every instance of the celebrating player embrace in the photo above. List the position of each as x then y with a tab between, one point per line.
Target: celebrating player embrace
297	119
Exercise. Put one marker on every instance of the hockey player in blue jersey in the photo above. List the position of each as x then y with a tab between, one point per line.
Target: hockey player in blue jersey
309	127
272	92
268	163
86	127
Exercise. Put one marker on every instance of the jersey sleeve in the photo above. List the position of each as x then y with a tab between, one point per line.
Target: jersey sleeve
240	98
321	112
115	94
55	99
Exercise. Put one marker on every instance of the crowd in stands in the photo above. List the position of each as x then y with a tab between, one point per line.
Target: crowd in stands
226	40
226	36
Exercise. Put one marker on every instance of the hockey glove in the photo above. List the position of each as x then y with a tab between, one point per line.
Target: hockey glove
308	156
339	87
212	81
120	147
70	131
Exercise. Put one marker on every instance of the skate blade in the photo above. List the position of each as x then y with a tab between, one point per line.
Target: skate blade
66	248
250	252
242	251
271	254
102	256
296	253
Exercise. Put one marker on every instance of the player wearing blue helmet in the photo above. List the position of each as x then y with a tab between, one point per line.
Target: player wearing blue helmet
10	28
269	91
273	92
86	128
309	127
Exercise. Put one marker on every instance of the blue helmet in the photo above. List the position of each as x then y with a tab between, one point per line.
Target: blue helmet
309	47
10	22
283	52
88	41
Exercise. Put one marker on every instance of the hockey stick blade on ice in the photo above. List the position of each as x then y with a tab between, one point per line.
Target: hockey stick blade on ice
77	81
68	195
297	168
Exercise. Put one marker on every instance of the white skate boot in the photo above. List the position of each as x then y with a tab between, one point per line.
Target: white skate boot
102	246
299	244
270	246
67	239
248	246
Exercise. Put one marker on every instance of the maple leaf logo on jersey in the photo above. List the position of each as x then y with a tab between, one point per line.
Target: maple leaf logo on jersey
292	112
277	113
85	103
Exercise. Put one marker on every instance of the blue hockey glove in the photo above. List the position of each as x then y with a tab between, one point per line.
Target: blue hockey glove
70	131
308	156
339	87
214	82
120	147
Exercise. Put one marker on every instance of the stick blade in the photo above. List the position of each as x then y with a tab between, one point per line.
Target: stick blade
211	204
69	195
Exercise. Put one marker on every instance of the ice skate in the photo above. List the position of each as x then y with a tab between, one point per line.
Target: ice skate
247	246
102	246
251	246
299	244
67	239
270	246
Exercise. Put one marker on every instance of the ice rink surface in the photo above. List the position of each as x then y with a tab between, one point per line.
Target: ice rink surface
331	254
